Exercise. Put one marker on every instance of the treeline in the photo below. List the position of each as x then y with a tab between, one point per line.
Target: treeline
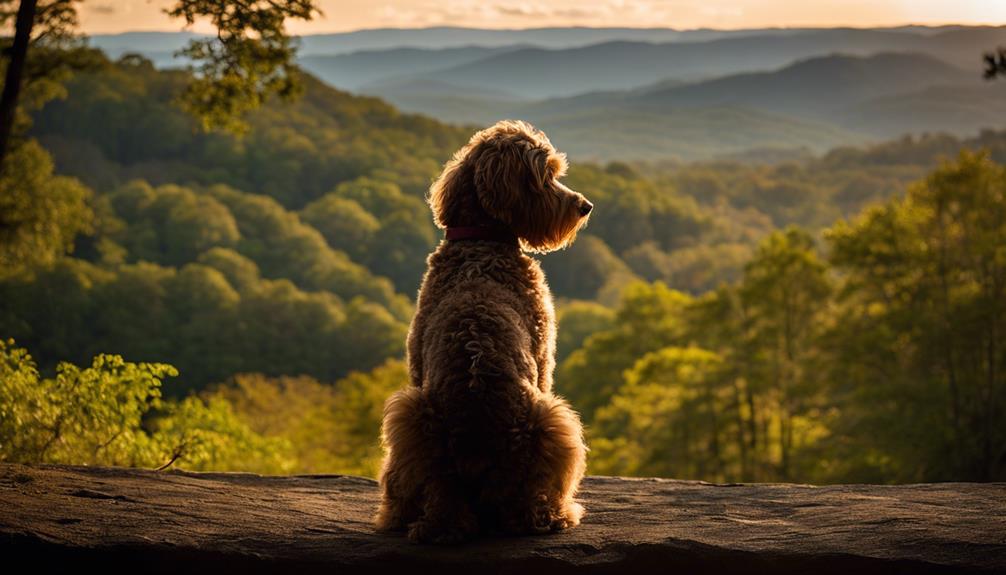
216	283
877	357
694	226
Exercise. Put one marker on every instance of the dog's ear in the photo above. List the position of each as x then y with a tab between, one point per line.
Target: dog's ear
446	192
504	170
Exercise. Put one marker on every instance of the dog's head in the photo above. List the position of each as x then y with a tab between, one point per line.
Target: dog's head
509	174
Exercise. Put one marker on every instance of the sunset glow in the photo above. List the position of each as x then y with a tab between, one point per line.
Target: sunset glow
110	16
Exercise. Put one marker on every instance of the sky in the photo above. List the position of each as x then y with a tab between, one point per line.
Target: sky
111	16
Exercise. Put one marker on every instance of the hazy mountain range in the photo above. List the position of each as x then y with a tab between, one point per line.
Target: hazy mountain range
818	103
454	37
652	93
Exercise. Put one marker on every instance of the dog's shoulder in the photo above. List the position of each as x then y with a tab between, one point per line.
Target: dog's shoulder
463	275
466	262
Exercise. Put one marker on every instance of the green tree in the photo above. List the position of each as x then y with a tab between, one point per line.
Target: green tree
250	58
332	428
922	330
578	320
785	298
170	225
284	247
666	420
241	272
46	27
588	270
111	413
344	223
206	435
398	249
89	415
649	317
40	213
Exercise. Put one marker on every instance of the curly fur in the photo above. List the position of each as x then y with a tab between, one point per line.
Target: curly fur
478	442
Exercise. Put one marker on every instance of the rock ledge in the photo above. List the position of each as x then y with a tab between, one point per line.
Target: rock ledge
56	516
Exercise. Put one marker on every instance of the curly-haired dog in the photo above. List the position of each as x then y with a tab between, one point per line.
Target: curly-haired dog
478	442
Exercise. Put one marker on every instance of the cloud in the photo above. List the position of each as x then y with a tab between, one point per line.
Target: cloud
720	12
539	11
103	9
434	12
534	13
523	11
580	12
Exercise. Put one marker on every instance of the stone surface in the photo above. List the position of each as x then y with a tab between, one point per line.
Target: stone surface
58	517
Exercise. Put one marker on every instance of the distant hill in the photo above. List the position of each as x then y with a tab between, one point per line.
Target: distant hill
351	71
549	62
815	103
951	109
885	95
542	73
588	130
146	43
813	87
453	37
434	38
703	133
630	94
457	104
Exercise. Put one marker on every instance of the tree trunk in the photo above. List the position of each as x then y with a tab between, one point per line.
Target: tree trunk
15	70
948	341
714	445
741	435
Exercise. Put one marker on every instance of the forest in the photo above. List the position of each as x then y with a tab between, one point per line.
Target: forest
213	301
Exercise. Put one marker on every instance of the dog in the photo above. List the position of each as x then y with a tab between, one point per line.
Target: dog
477	442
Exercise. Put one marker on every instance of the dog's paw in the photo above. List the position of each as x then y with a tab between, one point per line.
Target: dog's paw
425	532
383	526
568	517
389	520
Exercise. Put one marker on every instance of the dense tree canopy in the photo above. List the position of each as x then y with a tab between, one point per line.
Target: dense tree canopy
930	268
880	363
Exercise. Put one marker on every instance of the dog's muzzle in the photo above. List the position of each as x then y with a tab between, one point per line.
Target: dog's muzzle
585	208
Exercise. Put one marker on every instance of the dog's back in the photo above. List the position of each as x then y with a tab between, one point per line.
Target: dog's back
481	347
485	445
478	441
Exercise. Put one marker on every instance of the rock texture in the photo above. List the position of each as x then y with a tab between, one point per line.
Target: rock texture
63	517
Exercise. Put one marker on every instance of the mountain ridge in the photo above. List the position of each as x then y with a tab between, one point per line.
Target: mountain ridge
541	73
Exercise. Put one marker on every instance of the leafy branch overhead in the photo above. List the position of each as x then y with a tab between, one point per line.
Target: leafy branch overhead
995	64
250	58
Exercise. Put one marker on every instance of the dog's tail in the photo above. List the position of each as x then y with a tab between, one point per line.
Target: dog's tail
559	461
558	437
404	469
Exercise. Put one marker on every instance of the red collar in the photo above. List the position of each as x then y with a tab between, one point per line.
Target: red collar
495	234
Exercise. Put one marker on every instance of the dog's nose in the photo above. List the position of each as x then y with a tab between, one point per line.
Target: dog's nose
585	208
